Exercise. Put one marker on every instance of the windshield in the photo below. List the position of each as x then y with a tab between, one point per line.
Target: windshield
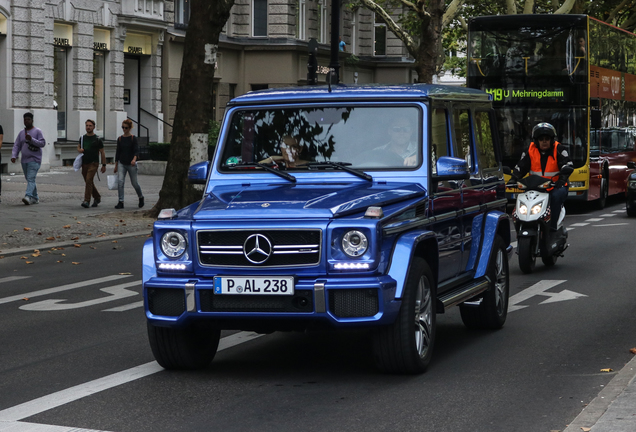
378	137
515	130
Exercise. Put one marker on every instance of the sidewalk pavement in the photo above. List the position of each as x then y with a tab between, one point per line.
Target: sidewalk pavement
59	220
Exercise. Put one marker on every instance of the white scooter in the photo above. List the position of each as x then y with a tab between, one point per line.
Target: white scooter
532	217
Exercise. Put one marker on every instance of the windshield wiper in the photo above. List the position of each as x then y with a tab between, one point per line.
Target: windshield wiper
267	168
344	166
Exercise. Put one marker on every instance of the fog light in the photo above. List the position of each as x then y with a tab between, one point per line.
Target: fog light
351	266
172	266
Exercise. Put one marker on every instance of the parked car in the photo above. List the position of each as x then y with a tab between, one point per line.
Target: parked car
336	207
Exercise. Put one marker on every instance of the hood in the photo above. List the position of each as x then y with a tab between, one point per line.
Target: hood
302	200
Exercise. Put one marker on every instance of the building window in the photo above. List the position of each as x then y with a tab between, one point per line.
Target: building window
181	13
300	19
379	36
323	17
60	89
355	16
259	18
99	89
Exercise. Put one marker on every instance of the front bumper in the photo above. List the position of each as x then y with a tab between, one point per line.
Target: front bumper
336	302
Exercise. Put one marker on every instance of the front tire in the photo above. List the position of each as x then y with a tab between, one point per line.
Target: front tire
406	346
525	249
630	206
493	310
188	348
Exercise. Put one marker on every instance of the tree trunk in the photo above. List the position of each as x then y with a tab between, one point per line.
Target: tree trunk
194	102
430	55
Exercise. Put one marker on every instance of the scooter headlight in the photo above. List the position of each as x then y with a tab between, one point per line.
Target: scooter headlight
536	209
523	209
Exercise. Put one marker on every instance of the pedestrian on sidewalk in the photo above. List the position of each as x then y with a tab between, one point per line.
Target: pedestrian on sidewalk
30	142
1	138
126	157
91	146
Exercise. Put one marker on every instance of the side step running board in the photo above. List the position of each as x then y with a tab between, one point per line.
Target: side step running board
463	293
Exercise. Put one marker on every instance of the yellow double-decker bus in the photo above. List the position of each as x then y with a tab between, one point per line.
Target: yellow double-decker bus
572	71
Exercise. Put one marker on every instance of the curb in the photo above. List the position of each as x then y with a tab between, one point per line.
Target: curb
599	405
27	249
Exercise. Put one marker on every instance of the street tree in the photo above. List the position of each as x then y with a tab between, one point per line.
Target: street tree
189	143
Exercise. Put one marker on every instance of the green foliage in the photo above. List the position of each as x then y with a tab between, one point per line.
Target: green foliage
213	133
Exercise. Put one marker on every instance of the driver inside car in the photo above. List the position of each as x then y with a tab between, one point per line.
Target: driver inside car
291	151
545	157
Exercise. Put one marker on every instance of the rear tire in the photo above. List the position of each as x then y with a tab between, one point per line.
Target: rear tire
527	260
406	346
602	201
631	207
188	348
493	310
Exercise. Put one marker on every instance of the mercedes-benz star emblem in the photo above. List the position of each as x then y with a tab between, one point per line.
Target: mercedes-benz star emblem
257	248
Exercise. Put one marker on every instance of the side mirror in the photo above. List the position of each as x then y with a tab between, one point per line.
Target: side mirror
198	173
450	168
567	170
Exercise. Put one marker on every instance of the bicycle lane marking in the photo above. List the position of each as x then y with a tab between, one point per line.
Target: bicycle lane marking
63	397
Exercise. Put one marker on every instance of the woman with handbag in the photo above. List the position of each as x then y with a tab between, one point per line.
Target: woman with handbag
126	162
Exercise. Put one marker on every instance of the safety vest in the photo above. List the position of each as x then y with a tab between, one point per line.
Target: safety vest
551	166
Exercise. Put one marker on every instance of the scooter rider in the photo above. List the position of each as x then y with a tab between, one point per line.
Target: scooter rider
545	157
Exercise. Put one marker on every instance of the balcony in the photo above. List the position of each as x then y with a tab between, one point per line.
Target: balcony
143	9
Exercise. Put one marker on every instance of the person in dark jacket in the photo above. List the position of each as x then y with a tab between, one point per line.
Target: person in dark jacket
545	157
92	147
126	162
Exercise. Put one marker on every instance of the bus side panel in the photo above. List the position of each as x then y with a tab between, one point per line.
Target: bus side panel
594	192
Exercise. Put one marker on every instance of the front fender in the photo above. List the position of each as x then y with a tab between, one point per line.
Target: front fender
402	256
495	223
148	264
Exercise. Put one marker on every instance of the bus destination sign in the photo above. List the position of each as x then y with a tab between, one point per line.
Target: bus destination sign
526	95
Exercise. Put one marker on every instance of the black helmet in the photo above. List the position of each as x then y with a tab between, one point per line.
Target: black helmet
543	129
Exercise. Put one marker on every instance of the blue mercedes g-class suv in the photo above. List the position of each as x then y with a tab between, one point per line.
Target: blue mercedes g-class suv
336	207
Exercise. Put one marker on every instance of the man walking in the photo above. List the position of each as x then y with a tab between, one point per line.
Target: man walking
91	146
29	142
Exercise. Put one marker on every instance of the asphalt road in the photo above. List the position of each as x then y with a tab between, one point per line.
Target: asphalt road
536	374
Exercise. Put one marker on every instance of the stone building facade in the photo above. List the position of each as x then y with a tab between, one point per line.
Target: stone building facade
265	45
67	61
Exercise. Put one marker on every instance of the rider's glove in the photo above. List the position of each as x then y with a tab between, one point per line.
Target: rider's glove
559	183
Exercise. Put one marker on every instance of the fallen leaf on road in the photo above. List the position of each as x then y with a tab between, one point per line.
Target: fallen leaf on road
89	234
79	222
50	238
114	241
66	226
63	254
27	229
60	261
36	250
23	257
59	236
39	233
633	350
102	235
121	220
75	238
77	245
35	255
586	429
126	273
28	262
25	298
607	370
75	263
93	247
1	257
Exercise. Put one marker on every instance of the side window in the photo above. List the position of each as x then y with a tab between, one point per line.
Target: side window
439	137
485	147
461	126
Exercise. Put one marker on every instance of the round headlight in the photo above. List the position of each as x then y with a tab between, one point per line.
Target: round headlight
354	243
523	209
173	244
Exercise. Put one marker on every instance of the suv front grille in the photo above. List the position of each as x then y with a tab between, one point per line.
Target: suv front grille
288	248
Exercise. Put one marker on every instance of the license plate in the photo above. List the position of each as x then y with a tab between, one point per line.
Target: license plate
275	285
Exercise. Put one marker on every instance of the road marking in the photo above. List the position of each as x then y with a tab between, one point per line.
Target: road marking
126	307
61	288
607	215
580	224
13	278
616	224
539	289
116	292
619	211
77	392
34	427
594	220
